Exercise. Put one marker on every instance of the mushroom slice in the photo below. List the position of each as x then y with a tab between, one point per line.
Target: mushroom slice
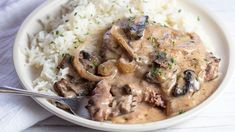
186	82
122	40
126	66
136	26
109	48
86	74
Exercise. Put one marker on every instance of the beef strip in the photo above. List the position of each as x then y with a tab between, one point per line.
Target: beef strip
103	105
212	68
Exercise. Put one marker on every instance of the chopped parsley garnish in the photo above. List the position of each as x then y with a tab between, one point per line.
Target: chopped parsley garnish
161	55
164	25
82	17
77	40
152	39
198	18
75	46
181	112
66	20
57	32
52	42
80	41
87	33
179	10
75	13
173	42
94	63
156	72
97	22
173	60
130	21
171	63
129	9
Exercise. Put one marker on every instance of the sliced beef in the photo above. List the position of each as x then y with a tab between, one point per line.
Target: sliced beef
103	105
212	69
99	103
151	97
62	88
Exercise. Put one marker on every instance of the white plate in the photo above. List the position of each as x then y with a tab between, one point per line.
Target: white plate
221	44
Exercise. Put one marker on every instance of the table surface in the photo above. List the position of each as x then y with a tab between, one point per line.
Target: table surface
218	116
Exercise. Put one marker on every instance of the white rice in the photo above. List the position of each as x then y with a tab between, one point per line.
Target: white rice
84	23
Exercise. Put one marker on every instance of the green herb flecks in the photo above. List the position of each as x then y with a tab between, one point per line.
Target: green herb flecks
173	60
80	41
181	112
173	42
164	25
161	55
87	33
179	10
152	39
205	59
82	17
94	63
75	46
77	42
156	72
129	9
52	42
198	18
57	32
97	22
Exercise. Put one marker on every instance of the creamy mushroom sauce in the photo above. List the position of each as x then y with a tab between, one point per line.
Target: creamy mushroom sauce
144	72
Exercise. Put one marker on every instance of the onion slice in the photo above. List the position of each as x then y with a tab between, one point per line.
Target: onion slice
119	35
125	66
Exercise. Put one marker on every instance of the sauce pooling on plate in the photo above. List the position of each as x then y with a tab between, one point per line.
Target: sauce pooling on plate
143	72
